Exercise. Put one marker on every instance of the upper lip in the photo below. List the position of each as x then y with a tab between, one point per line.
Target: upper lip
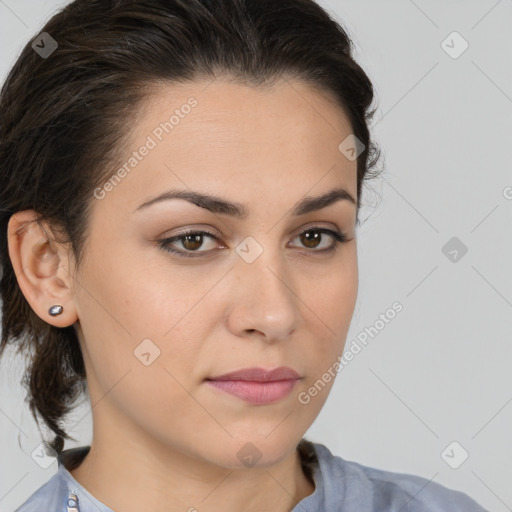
260	374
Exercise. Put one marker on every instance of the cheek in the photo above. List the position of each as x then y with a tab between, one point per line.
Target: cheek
146	372
331	313
137	324
333	293
142	292
330	307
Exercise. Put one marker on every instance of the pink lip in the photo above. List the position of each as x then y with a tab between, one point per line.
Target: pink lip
260	374
257	385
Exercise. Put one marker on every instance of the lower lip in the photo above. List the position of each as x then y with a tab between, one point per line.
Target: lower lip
256	392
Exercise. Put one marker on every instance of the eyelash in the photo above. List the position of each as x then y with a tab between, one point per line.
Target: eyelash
164	244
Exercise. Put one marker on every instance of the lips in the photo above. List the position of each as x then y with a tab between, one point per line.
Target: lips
257	385
260	375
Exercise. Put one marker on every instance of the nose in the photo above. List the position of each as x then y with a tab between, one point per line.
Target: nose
263	300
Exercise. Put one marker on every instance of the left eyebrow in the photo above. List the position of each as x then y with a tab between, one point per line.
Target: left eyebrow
312	204
218	205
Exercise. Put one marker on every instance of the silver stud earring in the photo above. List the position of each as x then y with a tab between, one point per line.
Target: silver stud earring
56	310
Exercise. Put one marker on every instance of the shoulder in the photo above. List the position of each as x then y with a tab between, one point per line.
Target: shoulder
412	492
50	496
53	495
371	489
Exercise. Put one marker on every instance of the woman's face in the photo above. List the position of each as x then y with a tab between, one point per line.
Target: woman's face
263	289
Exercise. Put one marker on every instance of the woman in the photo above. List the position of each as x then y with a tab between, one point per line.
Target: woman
180	182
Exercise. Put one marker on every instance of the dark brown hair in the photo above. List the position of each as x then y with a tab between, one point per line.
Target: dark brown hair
64	120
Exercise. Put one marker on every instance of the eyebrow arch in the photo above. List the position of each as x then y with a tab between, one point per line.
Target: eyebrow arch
238	210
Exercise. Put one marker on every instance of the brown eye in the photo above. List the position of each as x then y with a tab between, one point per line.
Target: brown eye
311	239
192	242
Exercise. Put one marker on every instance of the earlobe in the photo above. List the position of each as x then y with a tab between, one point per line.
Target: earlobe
39	263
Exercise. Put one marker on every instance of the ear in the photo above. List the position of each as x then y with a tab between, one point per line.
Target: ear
42	267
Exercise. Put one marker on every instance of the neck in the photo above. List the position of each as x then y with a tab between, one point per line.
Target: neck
130	477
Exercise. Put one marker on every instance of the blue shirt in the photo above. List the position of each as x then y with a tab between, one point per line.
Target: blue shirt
340	485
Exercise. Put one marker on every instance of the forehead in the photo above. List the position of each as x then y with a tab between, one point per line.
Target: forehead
220	136
227	104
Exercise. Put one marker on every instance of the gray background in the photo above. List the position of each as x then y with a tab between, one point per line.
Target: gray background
439	372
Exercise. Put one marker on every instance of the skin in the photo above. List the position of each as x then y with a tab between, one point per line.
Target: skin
163	439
